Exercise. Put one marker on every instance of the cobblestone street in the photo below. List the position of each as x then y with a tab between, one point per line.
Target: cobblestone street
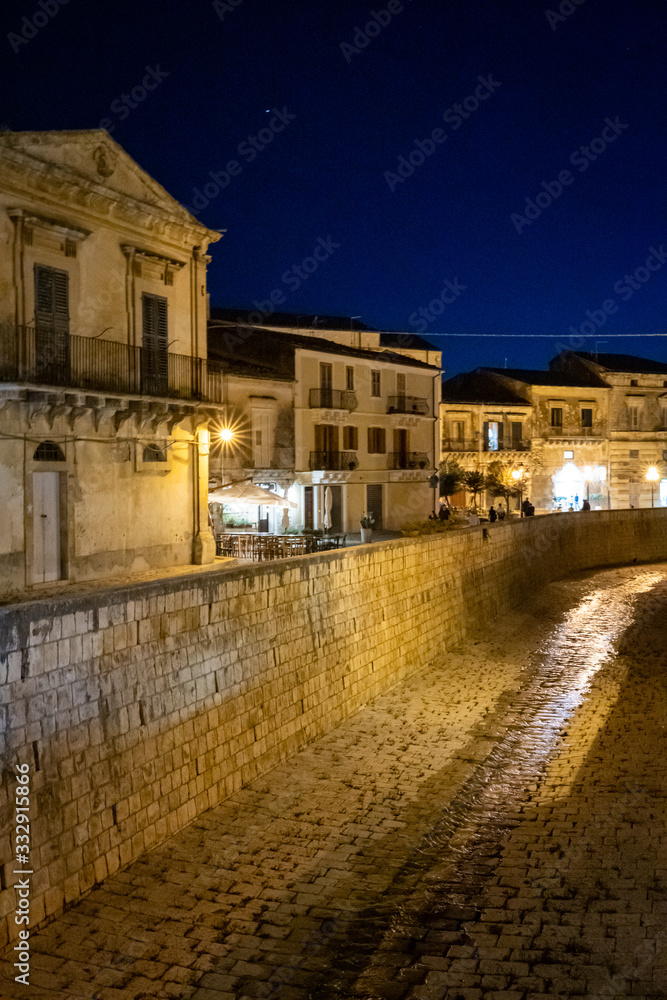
493	828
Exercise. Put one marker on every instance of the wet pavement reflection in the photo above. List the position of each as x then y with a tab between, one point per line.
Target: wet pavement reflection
493	828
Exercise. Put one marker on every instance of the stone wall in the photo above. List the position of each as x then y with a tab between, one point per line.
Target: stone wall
139	707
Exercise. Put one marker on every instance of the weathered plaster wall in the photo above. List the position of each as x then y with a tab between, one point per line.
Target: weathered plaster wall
137	708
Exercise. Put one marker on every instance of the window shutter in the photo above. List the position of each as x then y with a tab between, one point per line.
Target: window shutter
486	435
155	358
51	324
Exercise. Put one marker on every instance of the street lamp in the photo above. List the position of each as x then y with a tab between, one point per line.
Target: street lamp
652	476
225	435
517	475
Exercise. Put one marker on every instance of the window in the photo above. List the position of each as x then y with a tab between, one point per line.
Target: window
568	454
633	417
376	441
663	414
350	438
375	384
556	416
48	451
154	360
634	453
634	381
349	378
262	438
326	375
517	434
493	435
154	453
400	384
586	418
51	324
458	430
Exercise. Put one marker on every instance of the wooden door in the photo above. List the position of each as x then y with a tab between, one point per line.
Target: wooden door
46	556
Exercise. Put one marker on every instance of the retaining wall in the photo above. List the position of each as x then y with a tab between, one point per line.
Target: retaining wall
139	707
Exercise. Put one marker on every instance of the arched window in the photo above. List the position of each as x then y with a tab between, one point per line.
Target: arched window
48	451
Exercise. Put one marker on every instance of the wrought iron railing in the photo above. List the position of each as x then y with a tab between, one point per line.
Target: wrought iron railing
105	366
408	404
407	460
334	461
334	399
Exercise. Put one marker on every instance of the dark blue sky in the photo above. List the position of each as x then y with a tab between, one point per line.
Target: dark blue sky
460	215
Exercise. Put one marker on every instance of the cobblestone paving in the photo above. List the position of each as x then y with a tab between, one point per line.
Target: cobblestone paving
493	828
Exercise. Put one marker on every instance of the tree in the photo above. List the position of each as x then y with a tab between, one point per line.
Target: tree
450	478
501	483
475	483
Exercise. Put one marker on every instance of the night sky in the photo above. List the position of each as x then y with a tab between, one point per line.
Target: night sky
454	229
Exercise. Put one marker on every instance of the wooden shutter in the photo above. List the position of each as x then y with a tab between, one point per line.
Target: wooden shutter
374	502
486	436
155	359
51	325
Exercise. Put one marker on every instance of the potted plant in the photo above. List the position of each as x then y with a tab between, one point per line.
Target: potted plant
367	524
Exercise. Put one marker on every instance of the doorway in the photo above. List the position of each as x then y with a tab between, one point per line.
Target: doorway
374	502
47	546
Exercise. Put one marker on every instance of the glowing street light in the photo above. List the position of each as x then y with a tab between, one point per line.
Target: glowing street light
517	475
652	476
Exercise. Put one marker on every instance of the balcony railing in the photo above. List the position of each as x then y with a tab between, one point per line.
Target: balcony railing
106	366
334	461
407	404
333	399
572	431
407	460
470	444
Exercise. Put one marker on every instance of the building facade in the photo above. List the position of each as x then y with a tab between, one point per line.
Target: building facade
365	418
105	391
589	428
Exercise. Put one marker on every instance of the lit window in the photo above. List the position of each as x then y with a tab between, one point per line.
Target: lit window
568	454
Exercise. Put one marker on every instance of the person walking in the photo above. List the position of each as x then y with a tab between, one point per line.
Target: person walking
493	516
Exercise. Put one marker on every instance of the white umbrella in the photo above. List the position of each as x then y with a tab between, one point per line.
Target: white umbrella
248	492
328	504
285	521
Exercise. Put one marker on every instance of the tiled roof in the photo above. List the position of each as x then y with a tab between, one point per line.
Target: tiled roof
480	387
407	341
297	321
260	336
536	377
624	363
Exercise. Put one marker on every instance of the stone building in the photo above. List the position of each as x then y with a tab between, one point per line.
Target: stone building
365	414
637	429
589	427
105	391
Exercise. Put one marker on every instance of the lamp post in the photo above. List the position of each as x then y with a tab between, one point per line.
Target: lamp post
226	435
652	476
517	475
